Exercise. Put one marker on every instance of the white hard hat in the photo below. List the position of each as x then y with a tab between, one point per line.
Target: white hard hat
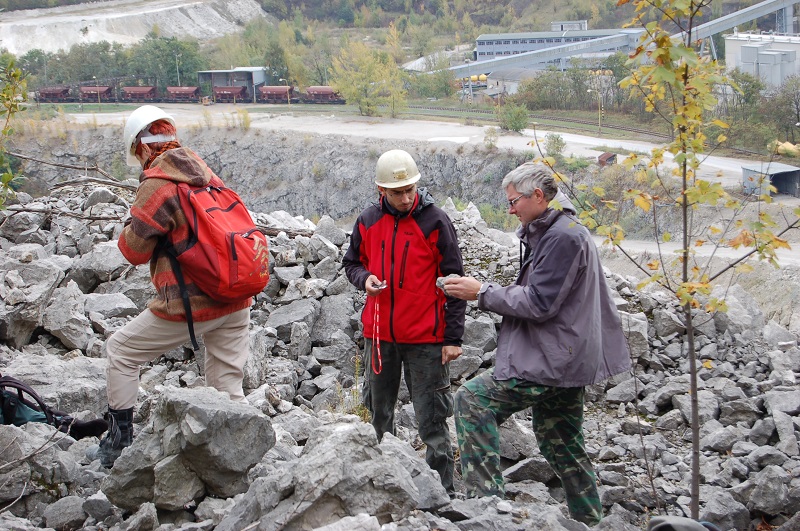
138	121
396	169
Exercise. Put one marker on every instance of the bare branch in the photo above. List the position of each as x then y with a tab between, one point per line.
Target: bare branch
51	441
742	258
274	231
18	498
16	209
87	180
60	165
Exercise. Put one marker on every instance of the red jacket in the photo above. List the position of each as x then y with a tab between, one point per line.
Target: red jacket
408	251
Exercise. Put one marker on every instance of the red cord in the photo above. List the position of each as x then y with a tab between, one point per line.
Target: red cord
376	342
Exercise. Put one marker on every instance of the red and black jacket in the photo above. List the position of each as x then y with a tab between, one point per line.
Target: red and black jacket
408	251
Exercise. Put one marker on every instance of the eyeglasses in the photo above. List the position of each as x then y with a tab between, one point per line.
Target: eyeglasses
512	202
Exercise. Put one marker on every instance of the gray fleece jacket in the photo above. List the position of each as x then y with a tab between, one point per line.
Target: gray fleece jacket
560	326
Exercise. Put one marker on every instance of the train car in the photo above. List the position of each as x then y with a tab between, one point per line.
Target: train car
321	94
54	95
94	93
139	94
183	94
277	94
230	94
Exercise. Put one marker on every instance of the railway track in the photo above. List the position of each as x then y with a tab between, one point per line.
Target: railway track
568	123
449	111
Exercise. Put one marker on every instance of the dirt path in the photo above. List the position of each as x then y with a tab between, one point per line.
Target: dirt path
725	170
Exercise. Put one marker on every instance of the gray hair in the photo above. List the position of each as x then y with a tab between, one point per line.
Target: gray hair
530	176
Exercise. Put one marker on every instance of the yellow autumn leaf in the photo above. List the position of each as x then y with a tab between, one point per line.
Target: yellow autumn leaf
653	265
779	243
743	238
708	364
642	203
666	236
714	230
699	243
744	268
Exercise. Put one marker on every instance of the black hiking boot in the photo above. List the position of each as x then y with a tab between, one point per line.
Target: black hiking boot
119	436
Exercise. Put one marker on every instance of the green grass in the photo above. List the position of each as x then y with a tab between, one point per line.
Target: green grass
72	108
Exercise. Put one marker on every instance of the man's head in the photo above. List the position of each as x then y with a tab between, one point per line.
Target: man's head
529	189
396	175
146	127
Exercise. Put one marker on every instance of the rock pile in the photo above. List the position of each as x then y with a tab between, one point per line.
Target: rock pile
298	458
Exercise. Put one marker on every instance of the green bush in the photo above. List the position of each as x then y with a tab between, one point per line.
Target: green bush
554	144
512	117
574	164
12	101
498	217
490	138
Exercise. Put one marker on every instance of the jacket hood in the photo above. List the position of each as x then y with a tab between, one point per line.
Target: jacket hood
180	165
532	231
425	200
565	203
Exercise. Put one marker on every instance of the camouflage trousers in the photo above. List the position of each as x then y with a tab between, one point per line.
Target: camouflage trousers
483	403
428	383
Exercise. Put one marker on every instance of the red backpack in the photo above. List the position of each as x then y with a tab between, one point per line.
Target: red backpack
227	256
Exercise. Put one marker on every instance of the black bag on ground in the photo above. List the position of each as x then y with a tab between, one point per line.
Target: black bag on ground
20	404
679	523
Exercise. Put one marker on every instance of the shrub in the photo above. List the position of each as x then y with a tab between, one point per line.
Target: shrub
512	117
490	138
554	144
498	217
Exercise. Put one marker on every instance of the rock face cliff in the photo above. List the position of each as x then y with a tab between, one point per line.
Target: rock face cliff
123	21
307	175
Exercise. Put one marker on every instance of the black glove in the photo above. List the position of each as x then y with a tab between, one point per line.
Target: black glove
78	429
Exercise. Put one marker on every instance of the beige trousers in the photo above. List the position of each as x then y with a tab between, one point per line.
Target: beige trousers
227	342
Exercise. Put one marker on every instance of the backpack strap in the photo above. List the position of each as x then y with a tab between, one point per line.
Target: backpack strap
165	247
187	306
8	406
12	402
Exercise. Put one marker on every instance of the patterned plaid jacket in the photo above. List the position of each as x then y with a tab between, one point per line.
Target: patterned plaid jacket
156	215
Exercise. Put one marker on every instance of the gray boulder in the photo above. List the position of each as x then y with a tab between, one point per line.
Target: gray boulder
191	447
342	472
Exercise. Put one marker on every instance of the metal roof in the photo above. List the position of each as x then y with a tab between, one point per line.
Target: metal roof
548	34
769	168
234	70
513	74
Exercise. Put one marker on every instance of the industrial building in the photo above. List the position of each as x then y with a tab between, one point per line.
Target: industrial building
249	78
757	177
569	39
770	57
493	45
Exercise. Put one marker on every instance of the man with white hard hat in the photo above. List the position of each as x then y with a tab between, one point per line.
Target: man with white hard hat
399	247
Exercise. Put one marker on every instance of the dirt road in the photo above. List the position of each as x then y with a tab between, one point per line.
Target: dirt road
725	170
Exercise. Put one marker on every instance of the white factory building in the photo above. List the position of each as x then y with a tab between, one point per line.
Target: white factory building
770	57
